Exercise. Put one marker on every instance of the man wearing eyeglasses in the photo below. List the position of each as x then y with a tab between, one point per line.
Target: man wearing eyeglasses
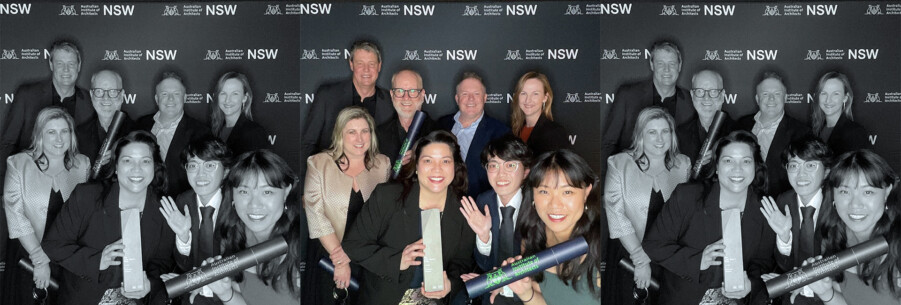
795	214
173	128
494	214
407	96
360	90
707	96
107	96
773	128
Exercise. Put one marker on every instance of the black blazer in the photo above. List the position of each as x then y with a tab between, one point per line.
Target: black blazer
189	199
846	136
547	136
382	230
88	222
246	136
790	199
488	130
630	100
691	220
391	135
330	100
489	198
90	139
788	131
188	130
689	136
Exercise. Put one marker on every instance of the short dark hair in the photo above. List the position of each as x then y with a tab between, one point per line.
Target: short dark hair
509	148
808	148
209	149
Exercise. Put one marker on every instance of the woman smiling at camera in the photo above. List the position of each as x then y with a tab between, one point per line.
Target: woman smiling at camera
687	237
86	238
386	238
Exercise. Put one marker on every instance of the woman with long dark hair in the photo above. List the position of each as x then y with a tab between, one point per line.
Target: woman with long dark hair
260	182
686	239
231	119
86	237
861	183
38	181
386	239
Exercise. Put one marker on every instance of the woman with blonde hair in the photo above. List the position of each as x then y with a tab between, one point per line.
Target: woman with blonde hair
38	181
832	120
338	181
230	117
532	119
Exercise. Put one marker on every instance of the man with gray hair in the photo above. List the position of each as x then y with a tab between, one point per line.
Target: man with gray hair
707	96
407	96
107	96
360	90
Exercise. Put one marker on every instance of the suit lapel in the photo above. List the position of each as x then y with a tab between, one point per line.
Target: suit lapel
780	139
450	226
477	139
190	200
714	224
412	226
178	140
151	225
113	219
491	202
751	225
793	208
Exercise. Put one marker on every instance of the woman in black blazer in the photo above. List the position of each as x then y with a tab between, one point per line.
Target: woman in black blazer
686	238
86	237
386	239
833	121
532	119
230	117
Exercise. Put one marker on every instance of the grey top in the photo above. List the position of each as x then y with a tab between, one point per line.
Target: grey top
555	292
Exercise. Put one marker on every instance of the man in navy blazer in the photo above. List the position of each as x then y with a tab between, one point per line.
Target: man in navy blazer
797	213
773	128
473	128
360	90
173	129
507	161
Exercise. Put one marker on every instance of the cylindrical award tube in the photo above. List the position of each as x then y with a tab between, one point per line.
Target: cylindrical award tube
712	134
226	266
629	267
110	136
327	265
527	266
418	118
28	267
827	266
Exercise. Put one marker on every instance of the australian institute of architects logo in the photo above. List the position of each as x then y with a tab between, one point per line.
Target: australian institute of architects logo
171	10
111	55
609	54
712	55
814	55
573	9
513	55
368	10
411	55
669	10
9	54
572	98
874	9
309	54
272	98
273	9
212	55
771	11
68	10
872	98
471	10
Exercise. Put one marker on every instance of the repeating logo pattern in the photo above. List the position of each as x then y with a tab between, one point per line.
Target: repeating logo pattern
874	9
273	9
68	10
309	54
872	98
572	98
9	54
171	10
272	98
111	55
712	55
814	55
513	55
471	10
412	55
669	10
368	10
771	11
573	9
212	55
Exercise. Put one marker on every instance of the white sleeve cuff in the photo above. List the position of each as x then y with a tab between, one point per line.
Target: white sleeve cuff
184	248
785	248
484	248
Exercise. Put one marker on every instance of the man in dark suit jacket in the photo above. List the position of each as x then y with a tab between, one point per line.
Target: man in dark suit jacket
773	128
197	212
92	133
507	161
365	63
661	91
173	129
392	133
707	96
473	128
797	213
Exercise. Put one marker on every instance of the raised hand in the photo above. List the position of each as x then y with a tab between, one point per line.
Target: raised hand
480	223
780	223
180	223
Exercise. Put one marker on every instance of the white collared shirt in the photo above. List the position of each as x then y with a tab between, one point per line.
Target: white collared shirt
185	247
164	132
785	248
515	202
765	133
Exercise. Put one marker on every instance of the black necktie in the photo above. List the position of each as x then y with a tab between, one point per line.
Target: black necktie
206	232
507	245
806	238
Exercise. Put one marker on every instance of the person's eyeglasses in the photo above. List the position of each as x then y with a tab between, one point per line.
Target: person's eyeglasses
509	166
398	92
207	166
809	166
702	93
111	93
